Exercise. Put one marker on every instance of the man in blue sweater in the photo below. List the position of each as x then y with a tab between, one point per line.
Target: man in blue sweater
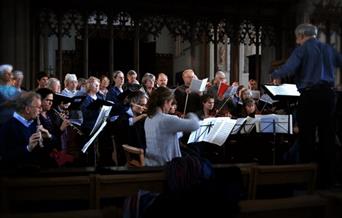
20	136
312	64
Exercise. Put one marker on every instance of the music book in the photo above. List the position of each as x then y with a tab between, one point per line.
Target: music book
75	101
198	85
213	130
283	90
274	123
222	89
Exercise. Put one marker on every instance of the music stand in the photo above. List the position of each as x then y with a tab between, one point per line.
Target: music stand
274	123
243	125
100	123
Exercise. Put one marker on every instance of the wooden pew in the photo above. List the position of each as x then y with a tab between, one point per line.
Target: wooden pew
122	185
46	188
283	174
307	206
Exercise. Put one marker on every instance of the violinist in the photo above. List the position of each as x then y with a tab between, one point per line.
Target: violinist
249	108
129	126
207	110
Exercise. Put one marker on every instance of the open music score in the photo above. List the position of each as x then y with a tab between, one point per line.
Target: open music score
213	130
284	90
274	123
198	85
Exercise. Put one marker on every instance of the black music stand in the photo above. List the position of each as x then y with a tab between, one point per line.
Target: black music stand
243	126
99	125
275	124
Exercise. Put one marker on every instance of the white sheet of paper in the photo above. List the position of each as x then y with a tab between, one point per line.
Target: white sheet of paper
216	134
283	90
282	123
104	113
198	85
91	140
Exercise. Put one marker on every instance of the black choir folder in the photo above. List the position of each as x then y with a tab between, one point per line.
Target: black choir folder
283	90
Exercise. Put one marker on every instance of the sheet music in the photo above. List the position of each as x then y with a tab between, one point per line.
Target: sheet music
283	90
104	113
198	85
91	140
248	125
202	132
238	124
213	130
267	99
283	123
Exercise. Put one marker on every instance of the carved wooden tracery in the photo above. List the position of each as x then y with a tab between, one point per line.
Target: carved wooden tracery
228	30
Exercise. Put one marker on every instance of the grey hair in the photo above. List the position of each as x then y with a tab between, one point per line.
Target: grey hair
148	76
52	81
5	68
17	74
25	99
306	29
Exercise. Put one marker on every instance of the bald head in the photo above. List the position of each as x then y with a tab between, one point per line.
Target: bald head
188	75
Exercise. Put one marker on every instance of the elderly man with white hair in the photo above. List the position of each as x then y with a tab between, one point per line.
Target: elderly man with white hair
70	85
7	93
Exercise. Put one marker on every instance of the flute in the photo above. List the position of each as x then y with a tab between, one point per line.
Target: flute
41	138
70	124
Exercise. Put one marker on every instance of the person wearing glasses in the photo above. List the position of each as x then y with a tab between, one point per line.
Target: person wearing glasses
21	136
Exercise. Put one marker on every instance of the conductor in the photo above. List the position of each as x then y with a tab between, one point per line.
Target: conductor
312	64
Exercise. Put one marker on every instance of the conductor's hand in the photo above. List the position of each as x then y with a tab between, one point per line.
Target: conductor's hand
276	81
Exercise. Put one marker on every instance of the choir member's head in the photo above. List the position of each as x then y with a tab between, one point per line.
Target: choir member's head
6	74
54	84
93	85
162	80
220	77
18	77
42	79
118	78
187	76
132	77
252	84
148	81
70	82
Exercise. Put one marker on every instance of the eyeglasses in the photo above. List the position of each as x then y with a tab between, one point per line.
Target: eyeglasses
36	106
48	100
